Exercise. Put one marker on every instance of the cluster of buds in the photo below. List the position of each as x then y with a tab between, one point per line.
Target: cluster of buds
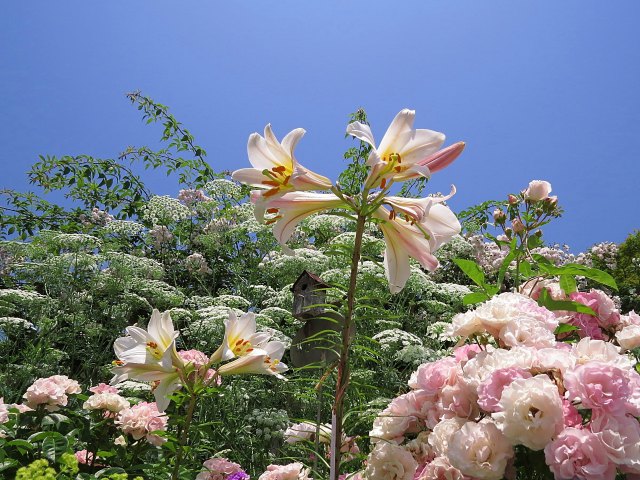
528	211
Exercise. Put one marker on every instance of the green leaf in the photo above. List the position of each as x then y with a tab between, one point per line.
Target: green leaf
576	269
534	242
53	447
475	297
525	269
545	300
564	328
568	284
471	269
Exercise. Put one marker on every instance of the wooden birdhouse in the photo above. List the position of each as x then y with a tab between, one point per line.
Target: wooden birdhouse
319	340
309	296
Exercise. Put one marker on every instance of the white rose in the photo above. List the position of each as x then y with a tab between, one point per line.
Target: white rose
388	461
629	337
530	412
480	450
537	190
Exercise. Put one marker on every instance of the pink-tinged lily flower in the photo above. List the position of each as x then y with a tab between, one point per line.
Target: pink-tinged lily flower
267	363
415	209
164	373
290	209
240	338
275	167
142	346
408	238
404	152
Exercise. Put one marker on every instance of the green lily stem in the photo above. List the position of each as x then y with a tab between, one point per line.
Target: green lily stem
342	381
184	435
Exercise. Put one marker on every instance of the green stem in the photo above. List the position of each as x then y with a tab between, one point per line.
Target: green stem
184	435
342	381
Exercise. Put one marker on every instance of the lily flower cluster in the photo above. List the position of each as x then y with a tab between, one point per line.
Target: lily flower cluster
468	415
151	356
411	227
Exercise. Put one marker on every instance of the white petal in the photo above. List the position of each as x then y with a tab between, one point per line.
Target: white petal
396	136
260	154
166	387
420	145
291	139
441	224
249	176
362	132
279	153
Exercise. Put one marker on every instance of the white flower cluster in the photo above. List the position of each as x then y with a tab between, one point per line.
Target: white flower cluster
222	187
282	298
329	223
371	246
15	323
281	267
163	210
124	264
158	293
123	228
606	252
22	298
70	241
232	301
278	315
395	339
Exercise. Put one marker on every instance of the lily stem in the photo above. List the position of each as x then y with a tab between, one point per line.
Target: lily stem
184	435
342	381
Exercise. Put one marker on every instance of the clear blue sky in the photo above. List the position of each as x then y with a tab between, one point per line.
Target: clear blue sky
539	90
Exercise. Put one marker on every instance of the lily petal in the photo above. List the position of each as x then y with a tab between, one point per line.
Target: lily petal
362	132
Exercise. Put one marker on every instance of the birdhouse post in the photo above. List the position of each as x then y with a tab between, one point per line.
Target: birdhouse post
309	296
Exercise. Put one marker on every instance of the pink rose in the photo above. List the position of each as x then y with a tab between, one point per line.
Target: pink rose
579	454
440	469
490	391
51	392
432	377
537	190
292	471
104	388
598	385
388	461
607	315
142	419
620	436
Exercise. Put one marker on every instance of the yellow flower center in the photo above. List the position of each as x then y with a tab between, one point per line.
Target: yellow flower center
241	347
277	178
152	348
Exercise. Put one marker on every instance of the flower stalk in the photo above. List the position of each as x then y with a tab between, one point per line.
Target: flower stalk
337	412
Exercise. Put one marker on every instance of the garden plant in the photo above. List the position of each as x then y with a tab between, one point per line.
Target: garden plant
147	336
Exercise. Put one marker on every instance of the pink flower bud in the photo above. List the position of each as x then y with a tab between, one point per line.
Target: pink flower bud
512	199
517	225
499	216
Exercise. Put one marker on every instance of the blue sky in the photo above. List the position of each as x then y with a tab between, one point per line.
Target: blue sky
538	90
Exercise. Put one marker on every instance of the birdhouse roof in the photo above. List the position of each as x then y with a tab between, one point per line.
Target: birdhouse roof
306	276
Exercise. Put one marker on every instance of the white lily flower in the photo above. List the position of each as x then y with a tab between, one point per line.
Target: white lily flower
164	373
404	152
291	209
267	363
142	346
275	167
240	338
408	238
